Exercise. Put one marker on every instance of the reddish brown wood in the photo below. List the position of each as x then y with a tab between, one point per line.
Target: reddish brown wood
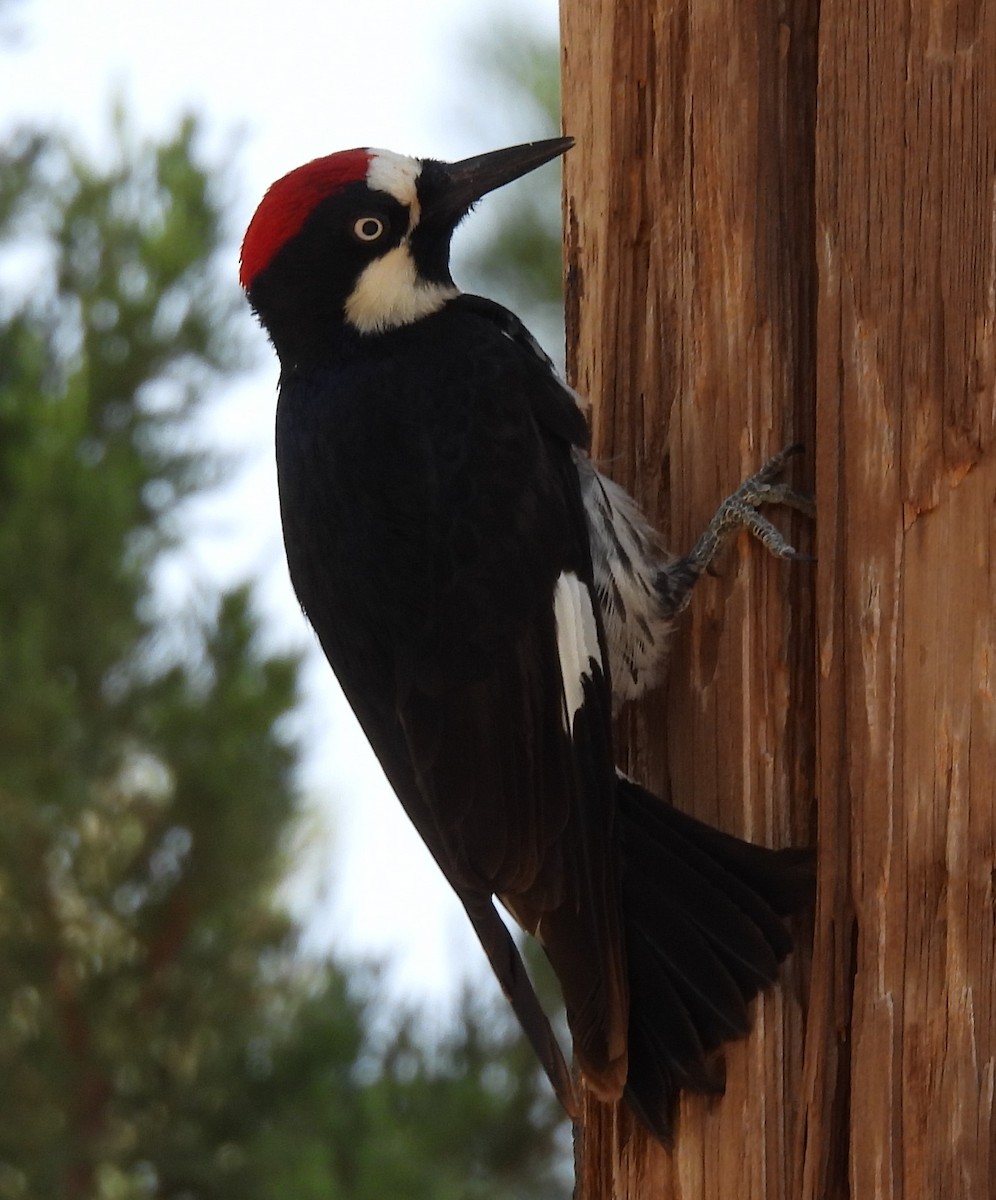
741	273
906	251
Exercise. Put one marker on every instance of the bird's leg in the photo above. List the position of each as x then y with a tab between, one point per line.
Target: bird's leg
738	511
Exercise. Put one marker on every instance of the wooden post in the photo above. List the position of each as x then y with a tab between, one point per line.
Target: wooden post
906	476
743	273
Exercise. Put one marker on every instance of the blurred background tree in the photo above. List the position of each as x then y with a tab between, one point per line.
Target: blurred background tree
159	1037
517	258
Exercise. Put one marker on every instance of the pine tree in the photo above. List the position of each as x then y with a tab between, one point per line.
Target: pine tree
158	1036
141	799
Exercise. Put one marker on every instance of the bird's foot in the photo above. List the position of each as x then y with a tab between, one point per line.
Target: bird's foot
739	511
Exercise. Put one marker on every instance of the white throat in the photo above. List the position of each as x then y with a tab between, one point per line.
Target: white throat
389	293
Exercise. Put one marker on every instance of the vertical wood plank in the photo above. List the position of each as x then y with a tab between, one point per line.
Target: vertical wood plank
906	205
691	282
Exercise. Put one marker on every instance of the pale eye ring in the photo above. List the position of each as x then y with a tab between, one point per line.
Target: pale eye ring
369	229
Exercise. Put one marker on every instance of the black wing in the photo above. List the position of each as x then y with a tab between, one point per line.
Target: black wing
437	540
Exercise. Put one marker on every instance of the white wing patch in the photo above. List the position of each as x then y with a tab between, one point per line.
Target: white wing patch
390	293
577	641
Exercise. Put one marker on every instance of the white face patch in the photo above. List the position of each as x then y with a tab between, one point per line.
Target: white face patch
390	293
397	175
577	641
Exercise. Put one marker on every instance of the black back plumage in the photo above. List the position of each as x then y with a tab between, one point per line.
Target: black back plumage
439	477
430	504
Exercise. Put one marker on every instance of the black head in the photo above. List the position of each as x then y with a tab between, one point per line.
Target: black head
361	239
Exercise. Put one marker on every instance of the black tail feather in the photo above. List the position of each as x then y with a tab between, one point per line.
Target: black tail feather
704	934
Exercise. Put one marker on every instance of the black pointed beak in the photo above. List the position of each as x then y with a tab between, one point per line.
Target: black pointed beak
464	182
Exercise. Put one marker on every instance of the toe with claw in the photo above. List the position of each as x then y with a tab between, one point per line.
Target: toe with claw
740	511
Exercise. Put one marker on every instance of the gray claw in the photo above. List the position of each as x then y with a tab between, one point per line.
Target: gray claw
739	511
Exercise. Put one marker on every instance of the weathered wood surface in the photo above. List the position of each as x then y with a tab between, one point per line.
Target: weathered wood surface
742	274
906	475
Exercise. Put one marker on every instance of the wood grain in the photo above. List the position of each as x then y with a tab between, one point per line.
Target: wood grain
906	205
741	274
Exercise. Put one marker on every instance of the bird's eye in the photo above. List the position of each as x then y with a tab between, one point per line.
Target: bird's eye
369	229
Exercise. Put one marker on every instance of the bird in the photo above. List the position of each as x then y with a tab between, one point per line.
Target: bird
487	598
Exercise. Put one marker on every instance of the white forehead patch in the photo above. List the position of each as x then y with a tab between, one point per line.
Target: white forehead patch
390	293
397	175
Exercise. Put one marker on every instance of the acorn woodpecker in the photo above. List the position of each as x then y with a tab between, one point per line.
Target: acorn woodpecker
482	592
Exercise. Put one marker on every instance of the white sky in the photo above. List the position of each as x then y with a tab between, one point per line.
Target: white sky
296	79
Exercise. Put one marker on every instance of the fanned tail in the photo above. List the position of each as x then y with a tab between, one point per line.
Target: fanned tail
704	934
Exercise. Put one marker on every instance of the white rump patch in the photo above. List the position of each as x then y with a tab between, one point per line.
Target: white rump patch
390	293
627	559
577	641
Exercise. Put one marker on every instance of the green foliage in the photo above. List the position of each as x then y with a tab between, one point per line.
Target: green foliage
471	1120
140	808
158	1036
